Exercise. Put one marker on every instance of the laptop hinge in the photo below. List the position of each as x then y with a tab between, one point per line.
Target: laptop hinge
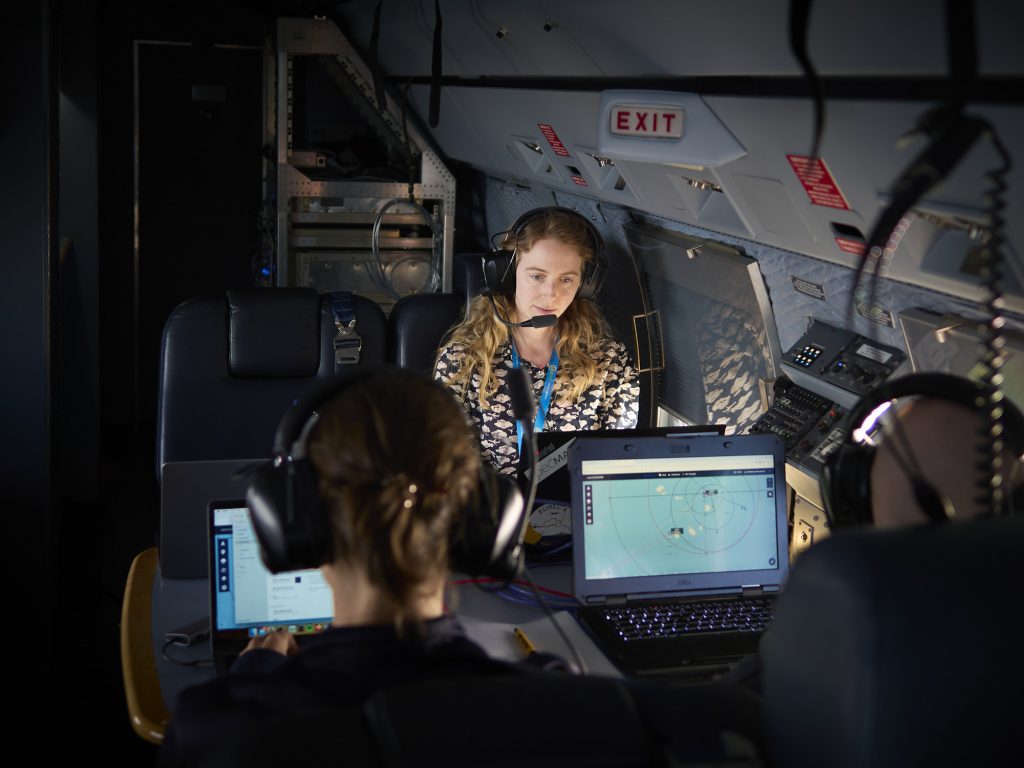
606	600
754	590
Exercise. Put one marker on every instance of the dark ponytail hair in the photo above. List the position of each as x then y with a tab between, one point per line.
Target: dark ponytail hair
397	463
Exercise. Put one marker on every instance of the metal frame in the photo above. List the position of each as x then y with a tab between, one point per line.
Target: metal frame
320	37
656	250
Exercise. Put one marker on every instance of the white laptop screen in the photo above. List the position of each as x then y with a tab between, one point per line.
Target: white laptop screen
678	515
247	596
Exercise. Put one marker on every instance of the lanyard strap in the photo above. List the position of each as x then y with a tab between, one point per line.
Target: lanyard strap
545	395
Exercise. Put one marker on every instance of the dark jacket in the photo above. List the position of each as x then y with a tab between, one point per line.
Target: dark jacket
340	668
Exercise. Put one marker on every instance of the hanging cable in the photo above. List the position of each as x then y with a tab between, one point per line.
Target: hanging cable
378	271
990	480
435	69
561	632
799	21
952	134
375	69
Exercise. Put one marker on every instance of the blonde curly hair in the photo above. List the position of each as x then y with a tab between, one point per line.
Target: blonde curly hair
581	330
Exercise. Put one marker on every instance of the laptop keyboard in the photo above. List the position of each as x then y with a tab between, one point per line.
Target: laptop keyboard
678	619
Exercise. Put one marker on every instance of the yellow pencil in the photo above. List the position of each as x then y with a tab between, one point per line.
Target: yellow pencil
524	641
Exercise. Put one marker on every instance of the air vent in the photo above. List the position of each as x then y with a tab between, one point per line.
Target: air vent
705	200
530	152
605	174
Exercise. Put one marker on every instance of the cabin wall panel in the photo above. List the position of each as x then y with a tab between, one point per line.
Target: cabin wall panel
792	310
761	197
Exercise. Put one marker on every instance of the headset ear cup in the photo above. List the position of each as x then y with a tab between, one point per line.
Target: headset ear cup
593	276
499	275
846	486
288	517
487	539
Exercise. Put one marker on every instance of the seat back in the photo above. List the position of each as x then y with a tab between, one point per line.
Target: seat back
230	367
417	325
468	275
894	648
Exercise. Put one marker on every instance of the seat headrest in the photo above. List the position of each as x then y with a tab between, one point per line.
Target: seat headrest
468	274
418	324
273	332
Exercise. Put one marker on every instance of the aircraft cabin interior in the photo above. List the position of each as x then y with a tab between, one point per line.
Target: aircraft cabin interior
210	209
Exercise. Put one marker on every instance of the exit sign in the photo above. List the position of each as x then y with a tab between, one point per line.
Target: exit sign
646	121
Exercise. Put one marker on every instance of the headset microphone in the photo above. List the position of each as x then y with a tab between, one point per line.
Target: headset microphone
537	321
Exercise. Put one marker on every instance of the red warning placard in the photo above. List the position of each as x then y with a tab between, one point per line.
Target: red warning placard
821	188
851	246
556	145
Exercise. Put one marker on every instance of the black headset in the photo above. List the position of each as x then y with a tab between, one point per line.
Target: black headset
499	265
845	479
292	524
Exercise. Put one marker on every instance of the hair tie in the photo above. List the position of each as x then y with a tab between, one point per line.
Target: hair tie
409	496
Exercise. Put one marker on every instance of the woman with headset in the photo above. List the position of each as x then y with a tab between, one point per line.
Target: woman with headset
539	315
386	493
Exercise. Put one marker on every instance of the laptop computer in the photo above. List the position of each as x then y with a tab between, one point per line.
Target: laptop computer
679	547
246	599
186	488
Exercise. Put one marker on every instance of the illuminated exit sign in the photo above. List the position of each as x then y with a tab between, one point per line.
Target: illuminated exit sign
646	121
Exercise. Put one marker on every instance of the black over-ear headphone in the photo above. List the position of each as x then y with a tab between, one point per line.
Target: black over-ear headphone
500	265
292	524
845	479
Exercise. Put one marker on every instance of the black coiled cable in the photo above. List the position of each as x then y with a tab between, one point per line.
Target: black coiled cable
990	491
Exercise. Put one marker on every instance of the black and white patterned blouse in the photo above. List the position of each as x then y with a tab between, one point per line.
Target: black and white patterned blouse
612	401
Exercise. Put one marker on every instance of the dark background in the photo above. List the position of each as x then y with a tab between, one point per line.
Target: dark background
82	320
81	310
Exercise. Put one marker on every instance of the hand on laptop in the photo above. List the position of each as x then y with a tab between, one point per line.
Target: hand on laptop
281	642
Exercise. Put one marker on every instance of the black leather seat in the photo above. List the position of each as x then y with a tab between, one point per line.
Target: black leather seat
897	648
467	275
231	366
417	325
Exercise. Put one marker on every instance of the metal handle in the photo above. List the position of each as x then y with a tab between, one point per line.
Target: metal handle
661	342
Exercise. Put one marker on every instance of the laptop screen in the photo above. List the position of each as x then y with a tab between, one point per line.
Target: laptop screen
657	516
249	600
649	517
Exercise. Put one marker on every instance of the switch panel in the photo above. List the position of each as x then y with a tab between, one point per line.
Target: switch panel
843	359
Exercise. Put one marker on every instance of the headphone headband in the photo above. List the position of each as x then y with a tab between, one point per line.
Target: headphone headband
944	386
499	265
845	478
296	421
291	521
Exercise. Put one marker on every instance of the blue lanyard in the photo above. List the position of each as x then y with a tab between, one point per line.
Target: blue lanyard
545	395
